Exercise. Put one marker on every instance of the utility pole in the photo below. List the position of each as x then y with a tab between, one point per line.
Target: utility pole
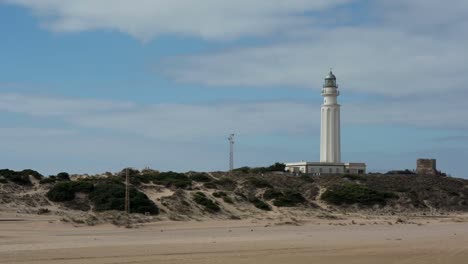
127	197
231	152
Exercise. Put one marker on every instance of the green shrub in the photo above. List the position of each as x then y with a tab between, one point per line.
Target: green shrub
65	191
172	179
20	177
242	169
259	183
275	167
33	173
228	200
271	194
226	184
355	194
201	177
50	179
289	199
306	178
260	204
354	177
219	194
201	199
210	185
63	176
112	197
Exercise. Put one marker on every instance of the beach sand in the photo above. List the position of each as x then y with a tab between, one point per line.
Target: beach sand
41	240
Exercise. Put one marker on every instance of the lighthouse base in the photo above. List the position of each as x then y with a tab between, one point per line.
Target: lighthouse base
324	168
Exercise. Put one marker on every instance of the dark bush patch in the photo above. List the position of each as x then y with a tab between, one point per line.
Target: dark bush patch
112	197
228	200
16	177
275	167
201	199
63	176
356	194
201	177
241	195
219	194
354	177
271	194
210	185
307	178
3	179
289	199
260	204
46	180
223	183
172	179
65	191
242	169
259	183
33	173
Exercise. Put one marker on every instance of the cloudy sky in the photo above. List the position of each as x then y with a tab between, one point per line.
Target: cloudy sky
94	86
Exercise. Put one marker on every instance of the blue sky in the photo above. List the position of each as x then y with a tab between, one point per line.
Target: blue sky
92	86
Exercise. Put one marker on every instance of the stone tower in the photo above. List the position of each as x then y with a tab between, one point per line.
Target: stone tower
330	134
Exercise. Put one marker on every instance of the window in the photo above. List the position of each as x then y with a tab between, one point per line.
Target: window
330	170
337	170
320	170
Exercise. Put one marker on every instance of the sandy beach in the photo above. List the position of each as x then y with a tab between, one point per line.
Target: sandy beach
41	240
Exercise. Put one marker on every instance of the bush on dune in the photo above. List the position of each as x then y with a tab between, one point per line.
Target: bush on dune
356	194
65	191
20	177
112	197
289	199
210	206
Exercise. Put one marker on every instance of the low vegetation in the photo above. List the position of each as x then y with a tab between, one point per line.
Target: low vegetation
260	204
20	177
192	192
356	194
223	184
208	204
247	170
289	199
200	177
104	196
259	182
65	191
112	197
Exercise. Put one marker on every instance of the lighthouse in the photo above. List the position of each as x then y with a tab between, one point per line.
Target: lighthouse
330	135
330	139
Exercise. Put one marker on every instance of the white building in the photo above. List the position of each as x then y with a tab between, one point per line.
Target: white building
330	138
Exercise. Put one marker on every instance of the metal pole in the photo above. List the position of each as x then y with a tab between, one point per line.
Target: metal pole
231	152
127	198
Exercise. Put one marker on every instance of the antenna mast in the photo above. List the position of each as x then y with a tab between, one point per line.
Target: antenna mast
231	152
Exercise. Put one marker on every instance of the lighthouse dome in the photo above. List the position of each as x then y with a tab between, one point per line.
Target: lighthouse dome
330	81
330	76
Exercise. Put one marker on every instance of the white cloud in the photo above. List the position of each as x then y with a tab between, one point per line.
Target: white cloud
146	19
382	61
175	122
408	48
58	107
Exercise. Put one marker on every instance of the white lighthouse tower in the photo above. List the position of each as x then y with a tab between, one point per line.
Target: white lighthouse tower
330	139
330	135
